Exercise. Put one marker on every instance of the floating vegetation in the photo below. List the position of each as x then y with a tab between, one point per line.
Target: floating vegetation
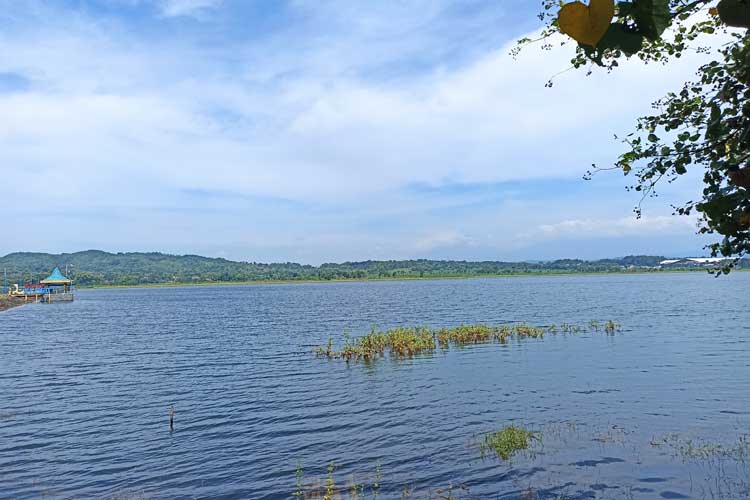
299	490
612	434
400	342
722	469
124	496
408	342
725	466
507	441
330	482
690	449
612	327
327	488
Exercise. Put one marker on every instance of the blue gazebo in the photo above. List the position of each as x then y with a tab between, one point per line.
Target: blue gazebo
57	281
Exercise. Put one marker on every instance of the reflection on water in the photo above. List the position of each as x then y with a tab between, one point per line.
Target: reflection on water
86	390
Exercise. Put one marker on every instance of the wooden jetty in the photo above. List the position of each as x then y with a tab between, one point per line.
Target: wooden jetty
55	288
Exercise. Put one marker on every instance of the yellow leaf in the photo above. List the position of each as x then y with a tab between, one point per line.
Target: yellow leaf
626	168
713	11
586	24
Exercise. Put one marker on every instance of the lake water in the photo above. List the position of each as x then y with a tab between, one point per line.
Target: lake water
85	390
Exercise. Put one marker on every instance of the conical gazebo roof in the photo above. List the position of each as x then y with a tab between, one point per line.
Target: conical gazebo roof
56	278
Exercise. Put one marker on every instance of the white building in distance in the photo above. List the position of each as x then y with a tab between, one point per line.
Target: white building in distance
693	261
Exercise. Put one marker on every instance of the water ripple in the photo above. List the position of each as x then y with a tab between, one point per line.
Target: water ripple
86	388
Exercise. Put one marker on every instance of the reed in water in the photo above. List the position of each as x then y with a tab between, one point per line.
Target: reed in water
408	342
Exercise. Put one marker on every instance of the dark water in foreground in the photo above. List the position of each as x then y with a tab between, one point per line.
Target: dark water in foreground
85	390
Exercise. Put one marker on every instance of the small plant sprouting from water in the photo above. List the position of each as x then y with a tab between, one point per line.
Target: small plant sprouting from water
449	492
330	483
299	491
378	478
407	492
611	327
326	487
356	490
689	449
508	441
569	328
326	350
408	342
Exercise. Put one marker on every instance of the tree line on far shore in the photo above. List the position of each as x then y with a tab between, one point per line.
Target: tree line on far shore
97	268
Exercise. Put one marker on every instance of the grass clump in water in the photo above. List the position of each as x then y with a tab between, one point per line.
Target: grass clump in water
689	449
611	327
328	488
465	334
408	342
400	342
508	441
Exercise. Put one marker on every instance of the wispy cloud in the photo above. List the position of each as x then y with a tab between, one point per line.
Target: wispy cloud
617	228
187	7
340	109
442	240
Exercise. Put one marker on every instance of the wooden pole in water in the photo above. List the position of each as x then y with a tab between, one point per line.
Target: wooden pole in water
171	417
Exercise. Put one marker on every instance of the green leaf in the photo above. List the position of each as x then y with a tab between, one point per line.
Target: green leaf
624	8
735	13
652	17
620	37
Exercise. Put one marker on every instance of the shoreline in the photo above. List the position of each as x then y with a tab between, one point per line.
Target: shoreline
403	278
7	303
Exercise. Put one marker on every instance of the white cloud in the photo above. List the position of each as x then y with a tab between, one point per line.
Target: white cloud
614	228
319	117
441	240
187	7
307	139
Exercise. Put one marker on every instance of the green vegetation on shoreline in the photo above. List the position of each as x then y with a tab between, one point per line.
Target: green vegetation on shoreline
94	269
9	302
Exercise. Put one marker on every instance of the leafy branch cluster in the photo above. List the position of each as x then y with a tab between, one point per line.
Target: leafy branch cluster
704	125
639	28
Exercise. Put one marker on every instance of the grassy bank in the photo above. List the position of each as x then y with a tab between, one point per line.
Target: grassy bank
177	284
9	302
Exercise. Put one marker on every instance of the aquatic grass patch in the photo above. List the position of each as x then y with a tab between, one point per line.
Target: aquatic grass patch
128	496
403	342
327	487
399	342
508	441
725	465
516	449
612	327
694	449
464	334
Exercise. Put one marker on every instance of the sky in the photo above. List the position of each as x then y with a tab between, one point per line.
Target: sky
319	131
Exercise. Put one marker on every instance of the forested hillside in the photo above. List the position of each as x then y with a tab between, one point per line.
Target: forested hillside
95	267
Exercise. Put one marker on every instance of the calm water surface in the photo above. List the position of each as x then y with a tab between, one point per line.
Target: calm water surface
85	390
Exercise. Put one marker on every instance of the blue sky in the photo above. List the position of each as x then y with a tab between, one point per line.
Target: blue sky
317	131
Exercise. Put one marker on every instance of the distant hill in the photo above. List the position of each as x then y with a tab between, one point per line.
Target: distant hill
94	267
